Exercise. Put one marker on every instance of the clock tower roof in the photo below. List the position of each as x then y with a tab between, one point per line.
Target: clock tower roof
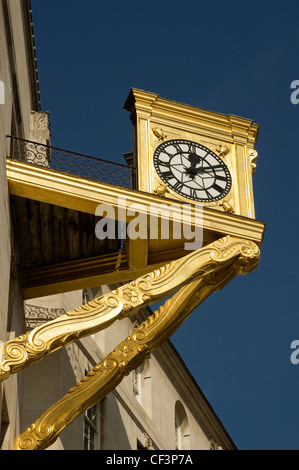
155	105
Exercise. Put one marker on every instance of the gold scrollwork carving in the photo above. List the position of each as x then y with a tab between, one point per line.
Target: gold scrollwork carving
253	158
128	355
126	300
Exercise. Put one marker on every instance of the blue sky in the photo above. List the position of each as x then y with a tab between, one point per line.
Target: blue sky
226	56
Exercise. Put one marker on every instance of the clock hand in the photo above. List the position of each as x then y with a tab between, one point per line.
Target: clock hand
194	159
203	169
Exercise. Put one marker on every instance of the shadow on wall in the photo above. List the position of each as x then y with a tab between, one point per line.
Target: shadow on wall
115	436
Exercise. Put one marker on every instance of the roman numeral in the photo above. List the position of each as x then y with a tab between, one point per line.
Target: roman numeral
191	148
167	174
177	147
217	188
209	196
164	164
221	178
178	186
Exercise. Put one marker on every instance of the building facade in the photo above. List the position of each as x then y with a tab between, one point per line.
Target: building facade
157	406
20	101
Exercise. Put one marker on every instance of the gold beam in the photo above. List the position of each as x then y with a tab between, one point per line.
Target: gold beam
137	253
127	356
75	275
95	271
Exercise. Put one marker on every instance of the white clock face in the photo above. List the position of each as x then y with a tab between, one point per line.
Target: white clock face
192	170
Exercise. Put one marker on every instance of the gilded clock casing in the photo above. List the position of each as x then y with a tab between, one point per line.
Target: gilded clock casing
157	120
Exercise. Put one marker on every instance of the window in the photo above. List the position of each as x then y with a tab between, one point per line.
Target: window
86	296
142	386
90	428
182	433
137	383
89	294
94	426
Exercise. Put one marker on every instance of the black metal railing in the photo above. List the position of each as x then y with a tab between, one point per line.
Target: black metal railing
72	163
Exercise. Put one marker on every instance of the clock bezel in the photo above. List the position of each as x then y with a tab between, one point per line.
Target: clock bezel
190	143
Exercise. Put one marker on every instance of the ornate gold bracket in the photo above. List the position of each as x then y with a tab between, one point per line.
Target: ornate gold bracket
128	355
126	300
217	264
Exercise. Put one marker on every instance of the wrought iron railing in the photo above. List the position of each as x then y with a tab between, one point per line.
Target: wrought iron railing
72	163
35	316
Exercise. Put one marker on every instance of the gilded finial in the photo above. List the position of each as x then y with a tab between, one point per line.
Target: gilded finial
161	190
227	207
159	133
253	158
222	150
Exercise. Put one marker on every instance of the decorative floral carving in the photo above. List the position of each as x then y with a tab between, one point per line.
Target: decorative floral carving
214	445
130	294
147	442
40	120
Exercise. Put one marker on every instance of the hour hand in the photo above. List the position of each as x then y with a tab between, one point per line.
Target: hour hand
194	159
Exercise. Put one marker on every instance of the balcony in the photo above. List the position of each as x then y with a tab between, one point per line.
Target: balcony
57	242
68	162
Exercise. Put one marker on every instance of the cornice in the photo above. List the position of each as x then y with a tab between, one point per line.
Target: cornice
31	54
229	126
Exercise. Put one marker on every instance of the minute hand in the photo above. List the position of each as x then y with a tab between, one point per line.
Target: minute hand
204	169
